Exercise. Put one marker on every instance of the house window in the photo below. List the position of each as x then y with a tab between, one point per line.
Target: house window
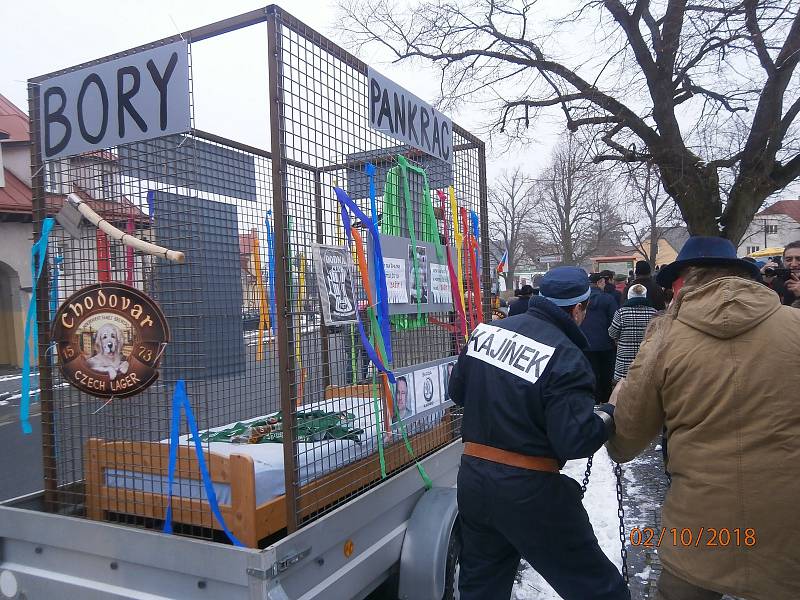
771	229
54	178
118	256
751	249
108	183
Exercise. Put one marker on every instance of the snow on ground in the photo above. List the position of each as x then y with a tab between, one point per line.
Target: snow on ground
601	504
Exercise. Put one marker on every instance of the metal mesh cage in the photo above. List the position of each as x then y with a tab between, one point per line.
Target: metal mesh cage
244	314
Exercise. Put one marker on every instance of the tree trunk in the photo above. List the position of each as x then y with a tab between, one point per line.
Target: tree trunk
655	235
740	212
694	189
654	238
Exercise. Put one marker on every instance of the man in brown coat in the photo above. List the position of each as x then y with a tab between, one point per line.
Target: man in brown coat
722	371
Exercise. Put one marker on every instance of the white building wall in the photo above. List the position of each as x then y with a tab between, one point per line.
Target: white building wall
767	232
17	159
15	287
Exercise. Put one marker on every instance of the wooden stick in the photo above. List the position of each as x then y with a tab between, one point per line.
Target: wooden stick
121	236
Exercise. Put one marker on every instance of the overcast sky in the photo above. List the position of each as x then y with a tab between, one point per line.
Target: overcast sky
230	87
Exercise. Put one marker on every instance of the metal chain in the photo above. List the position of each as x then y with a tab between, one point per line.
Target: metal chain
621	514
586	476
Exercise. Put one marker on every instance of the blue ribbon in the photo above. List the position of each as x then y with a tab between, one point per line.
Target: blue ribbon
373	203
38	254
271	260
379	271
181	401
347	203
476	233
150	202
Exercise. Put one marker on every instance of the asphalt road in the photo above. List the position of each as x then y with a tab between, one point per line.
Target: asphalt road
20	454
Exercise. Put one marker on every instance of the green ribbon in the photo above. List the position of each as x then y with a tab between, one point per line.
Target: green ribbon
397	179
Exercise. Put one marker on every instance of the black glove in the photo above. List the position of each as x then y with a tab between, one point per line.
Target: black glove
606	412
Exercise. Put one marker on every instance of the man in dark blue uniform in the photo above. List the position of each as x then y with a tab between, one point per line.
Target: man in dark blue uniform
527	393
520	305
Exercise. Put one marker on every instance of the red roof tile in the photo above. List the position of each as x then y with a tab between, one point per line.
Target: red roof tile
112	211
246	248
790	208
246	242
15	196
13	121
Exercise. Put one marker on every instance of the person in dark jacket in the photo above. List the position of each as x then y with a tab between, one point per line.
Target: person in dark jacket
600	349
655	294
526	389
520	305
610	288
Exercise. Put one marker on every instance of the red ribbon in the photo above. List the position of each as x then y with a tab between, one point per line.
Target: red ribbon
462	318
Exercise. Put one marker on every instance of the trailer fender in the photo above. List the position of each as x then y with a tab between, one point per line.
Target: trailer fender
424	556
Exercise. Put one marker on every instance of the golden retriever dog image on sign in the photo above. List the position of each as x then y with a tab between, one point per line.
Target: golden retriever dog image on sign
108	357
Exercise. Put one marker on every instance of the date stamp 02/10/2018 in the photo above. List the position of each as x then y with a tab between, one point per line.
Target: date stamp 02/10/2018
706	537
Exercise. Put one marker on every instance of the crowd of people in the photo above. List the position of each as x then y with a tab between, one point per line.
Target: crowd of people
704	351
616	322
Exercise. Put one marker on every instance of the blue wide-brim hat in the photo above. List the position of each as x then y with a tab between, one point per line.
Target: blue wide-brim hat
565	286
702	251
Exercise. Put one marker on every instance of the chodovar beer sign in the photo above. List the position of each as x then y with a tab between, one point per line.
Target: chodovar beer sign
110	339
130	99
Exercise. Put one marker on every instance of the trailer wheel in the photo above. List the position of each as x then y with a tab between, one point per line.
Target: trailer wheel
453	565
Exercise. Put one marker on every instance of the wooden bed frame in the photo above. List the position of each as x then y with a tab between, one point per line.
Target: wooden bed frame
248	521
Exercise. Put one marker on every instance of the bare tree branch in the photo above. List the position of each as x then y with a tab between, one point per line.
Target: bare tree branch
670	84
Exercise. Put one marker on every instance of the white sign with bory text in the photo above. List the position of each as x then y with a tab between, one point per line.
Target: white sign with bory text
130	99
398	113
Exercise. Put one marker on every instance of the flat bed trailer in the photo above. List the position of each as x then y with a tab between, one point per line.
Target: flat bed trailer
395	531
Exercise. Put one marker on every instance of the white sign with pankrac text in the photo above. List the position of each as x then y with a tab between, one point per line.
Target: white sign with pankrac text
398	113
130	99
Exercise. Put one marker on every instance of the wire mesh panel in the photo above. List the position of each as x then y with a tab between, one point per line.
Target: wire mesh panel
294	417
322	100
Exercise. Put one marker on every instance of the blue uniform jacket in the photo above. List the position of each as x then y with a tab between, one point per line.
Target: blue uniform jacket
519	306
599	315
526	386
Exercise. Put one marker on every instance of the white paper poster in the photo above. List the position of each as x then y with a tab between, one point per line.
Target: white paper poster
404	396
427	388
396	286
440	284
446	370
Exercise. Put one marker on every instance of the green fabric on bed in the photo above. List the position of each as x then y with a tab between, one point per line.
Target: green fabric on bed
312	426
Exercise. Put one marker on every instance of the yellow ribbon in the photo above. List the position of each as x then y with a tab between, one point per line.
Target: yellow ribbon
263	306
459	241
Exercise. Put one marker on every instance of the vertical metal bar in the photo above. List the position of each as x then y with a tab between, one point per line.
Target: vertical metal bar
484	216
288	383
318	217
42	292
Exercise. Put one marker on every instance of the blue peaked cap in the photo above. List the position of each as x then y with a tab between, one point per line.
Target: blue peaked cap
565	286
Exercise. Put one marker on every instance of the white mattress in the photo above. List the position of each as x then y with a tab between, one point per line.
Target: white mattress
314	459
